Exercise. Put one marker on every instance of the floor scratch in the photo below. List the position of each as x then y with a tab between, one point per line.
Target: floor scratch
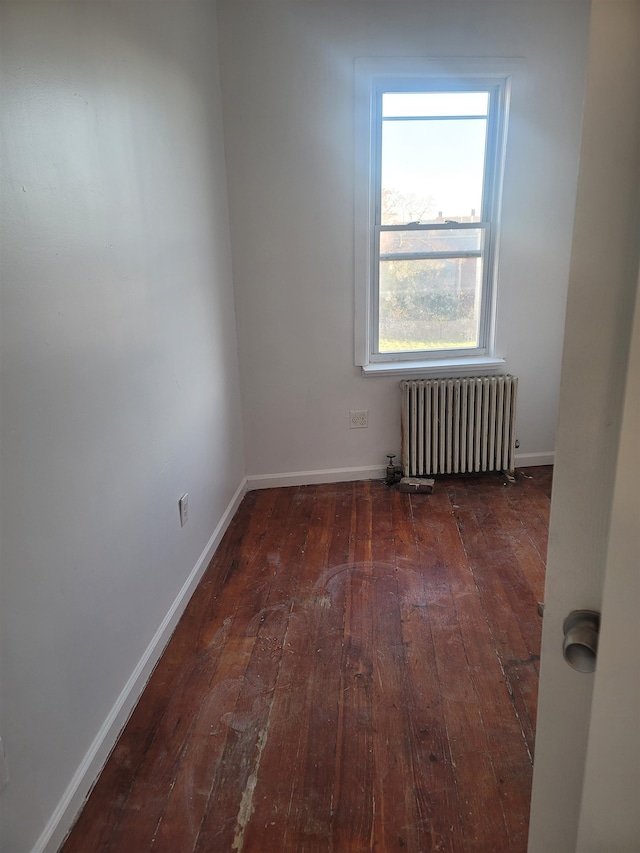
246	804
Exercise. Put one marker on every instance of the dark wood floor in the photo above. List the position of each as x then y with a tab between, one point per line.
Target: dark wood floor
357	670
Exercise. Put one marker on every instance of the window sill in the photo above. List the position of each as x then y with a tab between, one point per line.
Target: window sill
435	367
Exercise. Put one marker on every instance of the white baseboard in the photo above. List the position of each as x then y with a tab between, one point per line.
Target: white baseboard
306	478
67	809
527	460
369	472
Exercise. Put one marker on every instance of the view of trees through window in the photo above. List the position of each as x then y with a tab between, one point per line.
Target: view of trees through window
430	253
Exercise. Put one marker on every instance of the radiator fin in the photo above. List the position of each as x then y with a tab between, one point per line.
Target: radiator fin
458	426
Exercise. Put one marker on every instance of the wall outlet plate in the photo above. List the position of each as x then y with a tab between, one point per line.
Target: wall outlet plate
359	419
4	768
183	507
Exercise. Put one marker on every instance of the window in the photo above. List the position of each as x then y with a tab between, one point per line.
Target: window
427	234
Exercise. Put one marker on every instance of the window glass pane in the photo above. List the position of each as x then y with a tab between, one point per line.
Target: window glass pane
434	104
465	240
429	304
432	171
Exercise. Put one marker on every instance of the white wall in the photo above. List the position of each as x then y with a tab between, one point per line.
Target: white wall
287	84
119	370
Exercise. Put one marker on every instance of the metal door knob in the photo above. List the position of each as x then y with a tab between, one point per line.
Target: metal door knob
580	646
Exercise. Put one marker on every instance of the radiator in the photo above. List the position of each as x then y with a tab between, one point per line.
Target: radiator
458	426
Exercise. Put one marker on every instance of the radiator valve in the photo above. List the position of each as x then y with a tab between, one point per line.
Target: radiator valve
394	472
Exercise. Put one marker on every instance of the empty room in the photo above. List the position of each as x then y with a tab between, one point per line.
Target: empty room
318	451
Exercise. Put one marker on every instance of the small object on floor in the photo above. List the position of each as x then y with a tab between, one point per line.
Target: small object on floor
417	484
540	608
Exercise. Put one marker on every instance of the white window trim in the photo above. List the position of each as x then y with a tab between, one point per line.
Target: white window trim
367	71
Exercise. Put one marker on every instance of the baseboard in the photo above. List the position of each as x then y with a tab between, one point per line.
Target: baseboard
306	478
527	460
369	472
85	776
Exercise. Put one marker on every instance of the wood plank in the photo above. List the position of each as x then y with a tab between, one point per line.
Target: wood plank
481	814
433	774
276	796
502	729
490	566
231	794
311	818
353	793
532	503
437	793
397	821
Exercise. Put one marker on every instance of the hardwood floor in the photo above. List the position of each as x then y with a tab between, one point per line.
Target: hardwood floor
357	670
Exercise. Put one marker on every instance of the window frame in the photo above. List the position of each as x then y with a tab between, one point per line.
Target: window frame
373	77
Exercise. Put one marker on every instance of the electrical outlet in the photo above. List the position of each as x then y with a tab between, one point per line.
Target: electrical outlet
359	420
183	506
4	769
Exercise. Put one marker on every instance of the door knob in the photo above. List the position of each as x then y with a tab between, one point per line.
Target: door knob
580	646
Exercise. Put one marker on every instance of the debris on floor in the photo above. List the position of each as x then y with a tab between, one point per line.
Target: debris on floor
422	485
